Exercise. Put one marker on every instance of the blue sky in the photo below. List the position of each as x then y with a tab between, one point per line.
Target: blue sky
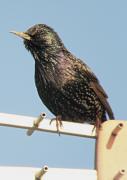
95	31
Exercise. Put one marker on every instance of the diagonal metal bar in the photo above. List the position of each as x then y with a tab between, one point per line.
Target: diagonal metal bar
26	122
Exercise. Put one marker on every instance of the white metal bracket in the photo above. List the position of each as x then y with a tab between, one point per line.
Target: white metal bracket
33	123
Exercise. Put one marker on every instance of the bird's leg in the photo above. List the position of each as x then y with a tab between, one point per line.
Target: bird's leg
97	125
59	124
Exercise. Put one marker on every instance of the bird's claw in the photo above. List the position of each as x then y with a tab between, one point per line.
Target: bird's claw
58	123
97	126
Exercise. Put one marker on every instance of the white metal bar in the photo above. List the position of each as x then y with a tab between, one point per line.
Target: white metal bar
29	173
26	122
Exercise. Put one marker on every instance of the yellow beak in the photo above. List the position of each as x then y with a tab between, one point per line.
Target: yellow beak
22	35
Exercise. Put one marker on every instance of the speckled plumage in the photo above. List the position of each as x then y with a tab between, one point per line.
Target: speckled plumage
65	84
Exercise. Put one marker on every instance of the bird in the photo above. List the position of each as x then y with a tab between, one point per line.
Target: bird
66	84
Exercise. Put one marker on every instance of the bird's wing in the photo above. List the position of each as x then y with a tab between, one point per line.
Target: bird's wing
85	71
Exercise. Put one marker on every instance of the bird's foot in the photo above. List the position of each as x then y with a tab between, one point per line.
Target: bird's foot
59	124
97	125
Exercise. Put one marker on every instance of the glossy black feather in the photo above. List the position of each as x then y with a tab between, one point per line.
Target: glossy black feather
65	84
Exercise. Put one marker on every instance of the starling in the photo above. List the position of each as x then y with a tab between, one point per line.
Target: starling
65	84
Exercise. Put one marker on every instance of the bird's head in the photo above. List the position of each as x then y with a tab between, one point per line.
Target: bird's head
40	36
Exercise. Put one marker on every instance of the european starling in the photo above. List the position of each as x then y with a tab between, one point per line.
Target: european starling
65	84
